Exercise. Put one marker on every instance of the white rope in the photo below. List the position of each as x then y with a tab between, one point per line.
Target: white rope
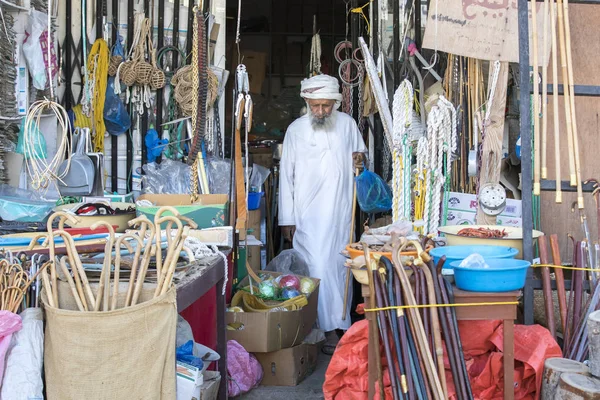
401	178
315	55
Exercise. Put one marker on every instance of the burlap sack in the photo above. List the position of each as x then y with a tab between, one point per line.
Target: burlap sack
123	354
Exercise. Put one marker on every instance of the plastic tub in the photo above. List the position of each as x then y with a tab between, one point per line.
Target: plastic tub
254	200
514	238
503	275
459	253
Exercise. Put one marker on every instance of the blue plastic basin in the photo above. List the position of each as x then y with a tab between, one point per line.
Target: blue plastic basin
459	253
503	275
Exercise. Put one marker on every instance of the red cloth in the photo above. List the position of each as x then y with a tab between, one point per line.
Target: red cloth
347	375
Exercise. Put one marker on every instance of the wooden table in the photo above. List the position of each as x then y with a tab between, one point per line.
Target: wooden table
201	277
506	313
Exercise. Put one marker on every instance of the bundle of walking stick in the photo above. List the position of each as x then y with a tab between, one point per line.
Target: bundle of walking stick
15	282
143	244
581	302
411	327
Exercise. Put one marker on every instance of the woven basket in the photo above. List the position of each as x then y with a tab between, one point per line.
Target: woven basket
157	79
128	73
143	71
115	61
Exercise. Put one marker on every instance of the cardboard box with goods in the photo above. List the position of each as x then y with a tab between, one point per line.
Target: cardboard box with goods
189	381
210	210
470	218
265	332
288	367
468	202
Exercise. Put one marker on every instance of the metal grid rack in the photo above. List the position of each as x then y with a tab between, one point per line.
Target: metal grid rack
525	85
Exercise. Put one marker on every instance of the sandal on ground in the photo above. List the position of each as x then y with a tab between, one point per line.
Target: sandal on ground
328	349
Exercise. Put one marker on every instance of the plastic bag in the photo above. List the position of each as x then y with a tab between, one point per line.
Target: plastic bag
219	175
168	177
36	54
25	359
474	261
9	324
116	117
37	147
289	262
372	193
23	205
258	177
244	370
185	353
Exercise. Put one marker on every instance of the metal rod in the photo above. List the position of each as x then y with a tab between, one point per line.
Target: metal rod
68	97
114	140
176	33
160	92
396	50
526	162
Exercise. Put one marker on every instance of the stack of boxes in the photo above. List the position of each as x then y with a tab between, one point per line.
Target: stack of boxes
461	209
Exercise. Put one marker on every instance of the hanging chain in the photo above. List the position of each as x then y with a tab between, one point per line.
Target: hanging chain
361	101
200	84
217	130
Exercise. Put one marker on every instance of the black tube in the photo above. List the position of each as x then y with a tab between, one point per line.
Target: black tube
397	44
114	140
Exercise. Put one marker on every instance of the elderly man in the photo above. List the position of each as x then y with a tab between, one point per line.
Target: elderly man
320	151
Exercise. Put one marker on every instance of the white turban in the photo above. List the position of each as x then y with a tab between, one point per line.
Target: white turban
322	87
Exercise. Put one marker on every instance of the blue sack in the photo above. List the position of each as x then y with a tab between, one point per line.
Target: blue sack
116	117
372	193
185	353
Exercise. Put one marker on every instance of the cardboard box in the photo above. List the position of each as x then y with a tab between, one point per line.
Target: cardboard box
265	332
468	202
209	211
470	218
256	66
210	387
189	381
288	367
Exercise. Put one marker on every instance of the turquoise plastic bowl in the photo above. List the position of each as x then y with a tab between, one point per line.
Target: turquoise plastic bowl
459	253
503	275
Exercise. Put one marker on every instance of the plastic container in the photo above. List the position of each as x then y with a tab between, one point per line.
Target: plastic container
254	200
503	275
459	253
514	237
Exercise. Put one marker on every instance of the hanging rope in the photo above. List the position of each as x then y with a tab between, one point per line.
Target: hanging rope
402	152
315	55
98	61
360	11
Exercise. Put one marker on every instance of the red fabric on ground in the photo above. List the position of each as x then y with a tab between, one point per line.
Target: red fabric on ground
347	375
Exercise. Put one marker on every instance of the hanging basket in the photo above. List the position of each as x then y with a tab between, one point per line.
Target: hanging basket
157	79
143	71
115	61
127	73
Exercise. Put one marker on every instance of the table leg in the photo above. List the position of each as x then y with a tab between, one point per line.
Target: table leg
221	340
509	359
372	357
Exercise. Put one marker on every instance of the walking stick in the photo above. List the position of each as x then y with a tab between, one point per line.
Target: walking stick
348	273
536	112
555	112
544	167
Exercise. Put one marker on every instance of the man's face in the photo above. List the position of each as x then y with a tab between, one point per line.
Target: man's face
321	109
320	112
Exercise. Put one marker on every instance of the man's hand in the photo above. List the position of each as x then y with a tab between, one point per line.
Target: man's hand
288	232
358	159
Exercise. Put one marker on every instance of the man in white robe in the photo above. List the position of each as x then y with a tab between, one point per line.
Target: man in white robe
320	151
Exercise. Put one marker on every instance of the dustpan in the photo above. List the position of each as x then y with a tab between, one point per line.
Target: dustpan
79	180
98	160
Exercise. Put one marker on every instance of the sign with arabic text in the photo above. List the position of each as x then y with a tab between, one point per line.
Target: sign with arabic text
483	29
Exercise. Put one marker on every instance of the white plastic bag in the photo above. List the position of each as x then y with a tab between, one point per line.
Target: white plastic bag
36	51
474	261
24	361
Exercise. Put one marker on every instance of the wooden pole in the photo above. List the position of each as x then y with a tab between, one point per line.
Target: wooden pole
491	163
555	113
566	92
348	272
580	203
544	166
536	102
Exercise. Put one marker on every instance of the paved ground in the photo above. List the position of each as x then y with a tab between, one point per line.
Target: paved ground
309	389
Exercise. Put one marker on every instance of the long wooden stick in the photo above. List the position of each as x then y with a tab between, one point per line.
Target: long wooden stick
544	167
430	368
566	92
102	296
580	203
546	286
351	236
144	266
172	263
63	265
560	282
556	128
117	274
536	105
373	331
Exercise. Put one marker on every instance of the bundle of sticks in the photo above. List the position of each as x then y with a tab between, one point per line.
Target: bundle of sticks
574	309
15	283
412	340
142	244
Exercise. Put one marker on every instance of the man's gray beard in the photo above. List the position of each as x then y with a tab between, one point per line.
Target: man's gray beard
326	123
